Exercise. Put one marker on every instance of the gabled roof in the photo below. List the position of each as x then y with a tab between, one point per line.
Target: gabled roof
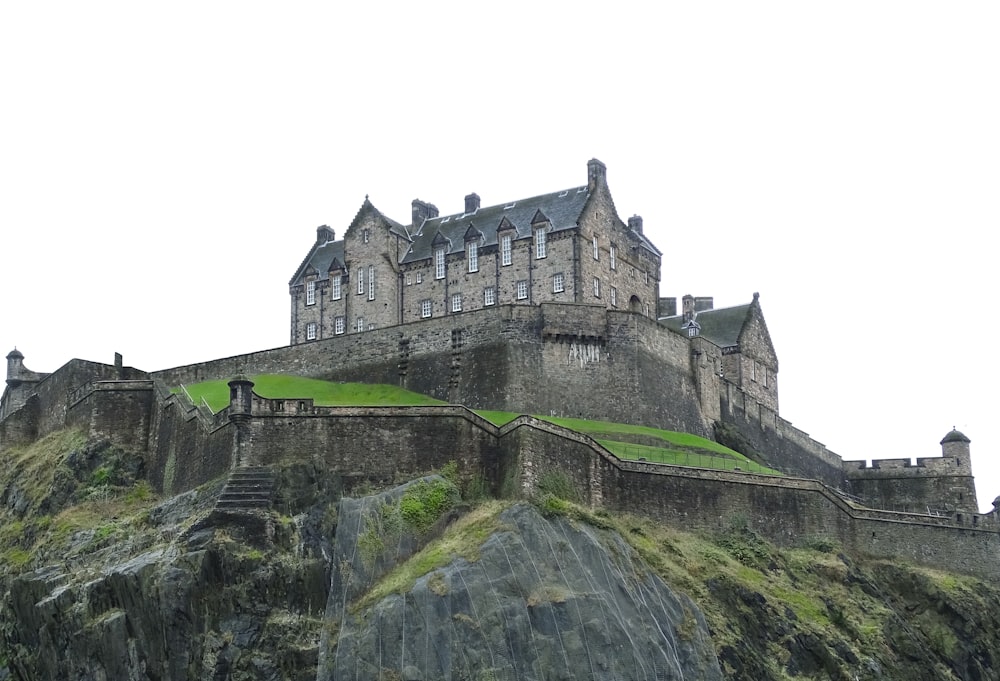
320	258
563	209
722	326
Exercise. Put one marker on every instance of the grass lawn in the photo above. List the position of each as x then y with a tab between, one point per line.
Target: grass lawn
323	393
681	449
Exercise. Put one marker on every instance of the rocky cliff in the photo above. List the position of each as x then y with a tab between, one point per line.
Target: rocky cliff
102	580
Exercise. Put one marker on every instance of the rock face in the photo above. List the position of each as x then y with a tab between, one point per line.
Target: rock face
543	600
100	582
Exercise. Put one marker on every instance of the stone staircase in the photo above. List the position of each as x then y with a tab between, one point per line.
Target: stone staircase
248	488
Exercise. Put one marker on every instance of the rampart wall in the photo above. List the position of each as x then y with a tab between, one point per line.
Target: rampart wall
786	447
554	359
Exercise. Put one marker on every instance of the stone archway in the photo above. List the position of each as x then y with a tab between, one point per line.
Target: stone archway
634	304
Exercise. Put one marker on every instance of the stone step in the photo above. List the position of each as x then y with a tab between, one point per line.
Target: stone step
247	488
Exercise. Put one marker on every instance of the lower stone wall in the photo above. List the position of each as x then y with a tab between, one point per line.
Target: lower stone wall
782	445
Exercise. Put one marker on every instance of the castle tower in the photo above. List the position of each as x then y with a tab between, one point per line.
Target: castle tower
956	446
15	368
240	398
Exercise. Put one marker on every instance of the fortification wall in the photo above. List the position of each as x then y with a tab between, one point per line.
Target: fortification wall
554	359
118	411
20	426
187	446
783	446
788	511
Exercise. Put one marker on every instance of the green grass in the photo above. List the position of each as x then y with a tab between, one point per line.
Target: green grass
323	393
682	449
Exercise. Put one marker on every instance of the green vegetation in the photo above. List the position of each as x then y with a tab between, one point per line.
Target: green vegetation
323	393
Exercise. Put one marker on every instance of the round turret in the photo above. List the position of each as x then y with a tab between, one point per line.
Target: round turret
955	445
240	397
15	367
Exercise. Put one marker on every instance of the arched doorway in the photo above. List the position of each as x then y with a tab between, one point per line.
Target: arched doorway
634	304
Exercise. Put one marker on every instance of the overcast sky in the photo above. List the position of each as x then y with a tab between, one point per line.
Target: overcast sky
163	168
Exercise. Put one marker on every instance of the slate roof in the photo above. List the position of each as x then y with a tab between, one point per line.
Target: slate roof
320	257
721	326
562	208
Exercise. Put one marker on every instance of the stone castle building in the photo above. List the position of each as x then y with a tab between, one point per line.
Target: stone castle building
548	305
568	246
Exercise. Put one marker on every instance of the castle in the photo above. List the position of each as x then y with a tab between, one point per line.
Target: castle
548	305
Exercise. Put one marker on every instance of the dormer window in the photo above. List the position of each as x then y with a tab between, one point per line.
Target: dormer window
540	243
472	248
439	263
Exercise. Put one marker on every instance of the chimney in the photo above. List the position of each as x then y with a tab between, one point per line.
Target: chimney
687	307
471	203
702	303
635	224
596	174
423	211
324	234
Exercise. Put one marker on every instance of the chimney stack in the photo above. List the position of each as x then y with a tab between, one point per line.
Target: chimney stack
596	174
687	307
471	203
324	234
635	224
423	211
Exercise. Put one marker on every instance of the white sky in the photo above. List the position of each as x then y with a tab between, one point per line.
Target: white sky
163	168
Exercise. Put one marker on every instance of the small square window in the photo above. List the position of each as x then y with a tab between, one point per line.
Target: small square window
426	308
311	331
456	302
338	325
489	296
522	289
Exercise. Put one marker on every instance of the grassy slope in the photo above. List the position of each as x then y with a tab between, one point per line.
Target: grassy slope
681	449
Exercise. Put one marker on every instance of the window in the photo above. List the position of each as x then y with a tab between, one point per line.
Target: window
426	309
311	331
646	272
473	249
597	252
310	293
614	257
505	249
557	283
540	243
614	297
597	287
361	281
361	324
371	282
439	263
763	375
335	286
420	277
522	289
456	302
489	296
338	325
366	236
409	279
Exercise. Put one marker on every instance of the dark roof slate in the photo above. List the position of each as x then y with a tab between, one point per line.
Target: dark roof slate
563	209
721	326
